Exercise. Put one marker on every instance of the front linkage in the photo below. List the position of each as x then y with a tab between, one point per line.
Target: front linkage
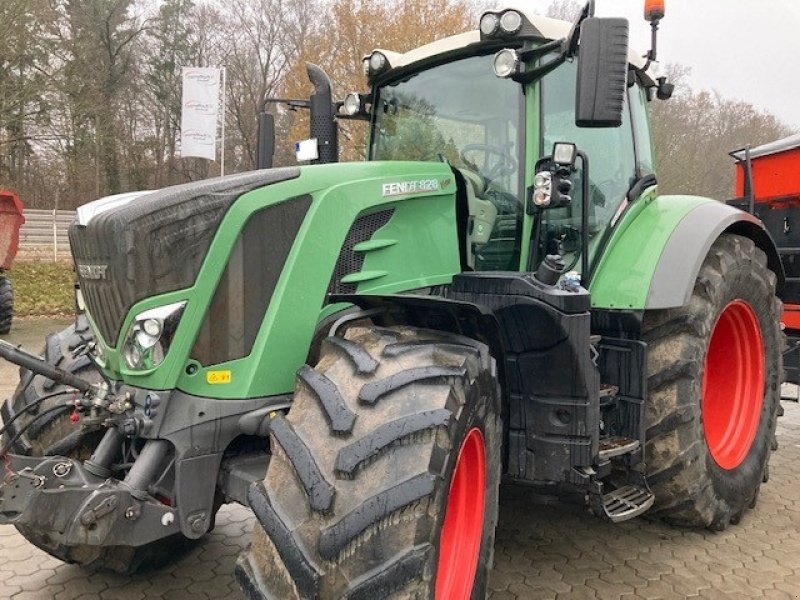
176	443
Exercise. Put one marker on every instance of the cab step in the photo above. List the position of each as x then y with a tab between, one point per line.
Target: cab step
617	446
626	503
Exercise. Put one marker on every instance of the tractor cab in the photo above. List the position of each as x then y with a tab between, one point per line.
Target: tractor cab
492	103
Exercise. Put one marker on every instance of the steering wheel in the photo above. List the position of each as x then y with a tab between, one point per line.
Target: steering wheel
506	165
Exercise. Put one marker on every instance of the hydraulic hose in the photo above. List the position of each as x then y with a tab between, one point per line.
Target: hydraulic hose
41	367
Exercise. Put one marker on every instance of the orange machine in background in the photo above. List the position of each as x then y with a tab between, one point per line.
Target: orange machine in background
768	186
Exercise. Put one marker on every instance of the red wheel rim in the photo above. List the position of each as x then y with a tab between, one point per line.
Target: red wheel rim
460	541
733	385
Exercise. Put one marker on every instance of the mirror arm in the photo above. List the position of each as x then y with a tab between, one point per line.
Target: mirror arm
540	71
528	55
290	104
575	32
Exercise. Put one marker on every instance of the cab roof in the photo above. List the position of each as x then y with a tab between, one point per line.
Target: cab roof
546	29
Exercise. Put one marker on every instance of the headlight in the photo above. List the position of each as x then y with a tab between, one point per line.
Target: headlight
506	63
543	188
150	336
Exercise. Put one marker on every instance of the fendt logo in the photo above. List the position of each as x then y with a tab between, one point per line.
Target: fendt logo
92	271
399	188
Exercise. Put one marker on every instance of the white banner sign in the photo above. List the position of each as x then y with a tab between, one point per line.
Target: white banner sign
199	114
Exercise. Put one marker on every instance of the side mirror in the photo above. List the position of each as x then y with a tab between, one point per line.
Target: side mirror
265	149
602	72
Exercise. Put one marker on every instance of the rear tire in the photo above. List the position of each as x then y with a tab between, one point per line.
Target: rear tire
360	498
56	435
6	304
714	370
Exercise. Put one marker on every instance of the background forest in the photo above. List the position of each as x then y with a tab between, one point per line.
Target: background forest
90	92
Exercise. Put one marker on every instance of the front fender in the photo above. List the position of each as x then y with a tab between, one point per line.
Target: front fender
655	254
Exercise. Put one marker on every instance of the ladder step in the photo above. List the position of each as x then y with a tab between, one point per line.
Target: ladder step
617	446
626	503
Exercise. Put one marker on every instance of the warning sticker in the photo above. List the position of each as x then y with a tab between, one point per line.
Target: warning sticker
218	377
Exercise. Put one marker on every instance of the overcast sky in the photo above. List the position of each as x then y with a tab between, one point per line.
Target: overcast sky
746	49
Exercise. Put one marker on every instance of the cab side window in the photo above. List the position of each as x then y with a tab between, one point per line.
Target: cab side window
612	159
645	162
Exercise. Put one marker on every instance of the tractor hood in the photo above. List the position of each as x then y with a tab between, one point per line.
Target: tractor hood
131	246
237	271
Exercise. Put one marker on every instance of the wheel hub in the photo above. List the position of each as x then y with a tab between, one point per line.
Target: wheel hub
460	541
733	385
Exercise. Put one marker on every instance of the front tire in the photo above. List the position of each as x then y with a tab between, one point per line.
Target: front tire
384	475
714	370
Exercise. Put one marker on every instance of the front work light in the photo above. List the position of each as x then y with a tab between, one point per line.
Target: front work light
506	63
564	154
377	62
352	104
150	335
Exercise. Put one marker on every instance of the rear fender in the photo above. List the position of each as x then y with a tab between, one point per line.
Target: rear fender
654	257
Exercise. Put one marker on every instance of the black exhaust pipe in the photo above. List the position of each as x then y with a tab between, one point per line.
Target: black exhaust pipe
323	123
322	117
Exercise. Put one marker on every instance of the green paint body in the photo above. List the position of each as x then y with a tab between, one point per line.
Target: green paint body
626	268
417	248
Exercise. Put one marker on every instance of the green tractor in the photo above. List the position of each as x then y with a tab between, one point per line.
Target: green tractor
363	352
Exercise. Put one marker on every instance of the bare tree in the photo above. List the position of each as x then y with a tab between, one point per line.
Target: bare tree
566	10
694	132
353	30
101	36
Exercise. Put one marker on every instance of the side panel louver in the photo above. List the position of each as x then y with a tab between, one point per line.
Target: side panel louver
363	228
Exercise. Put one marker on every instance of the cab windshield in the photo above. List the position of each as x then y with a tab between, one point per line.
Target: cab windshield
462	114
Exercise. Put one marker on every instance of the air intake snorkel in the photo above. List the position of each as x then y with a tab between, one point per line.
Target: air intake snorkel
323	121
323	124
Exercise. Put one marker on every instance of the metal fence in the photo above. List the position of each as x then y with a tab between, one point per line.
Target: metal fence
44	234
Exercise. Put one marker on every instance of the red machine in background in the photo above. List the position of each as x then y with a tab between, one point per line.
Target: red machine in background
768	186
11	219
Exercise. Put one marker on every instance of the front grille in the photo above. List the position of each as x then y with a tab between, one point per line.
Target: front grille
362	229
154	244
